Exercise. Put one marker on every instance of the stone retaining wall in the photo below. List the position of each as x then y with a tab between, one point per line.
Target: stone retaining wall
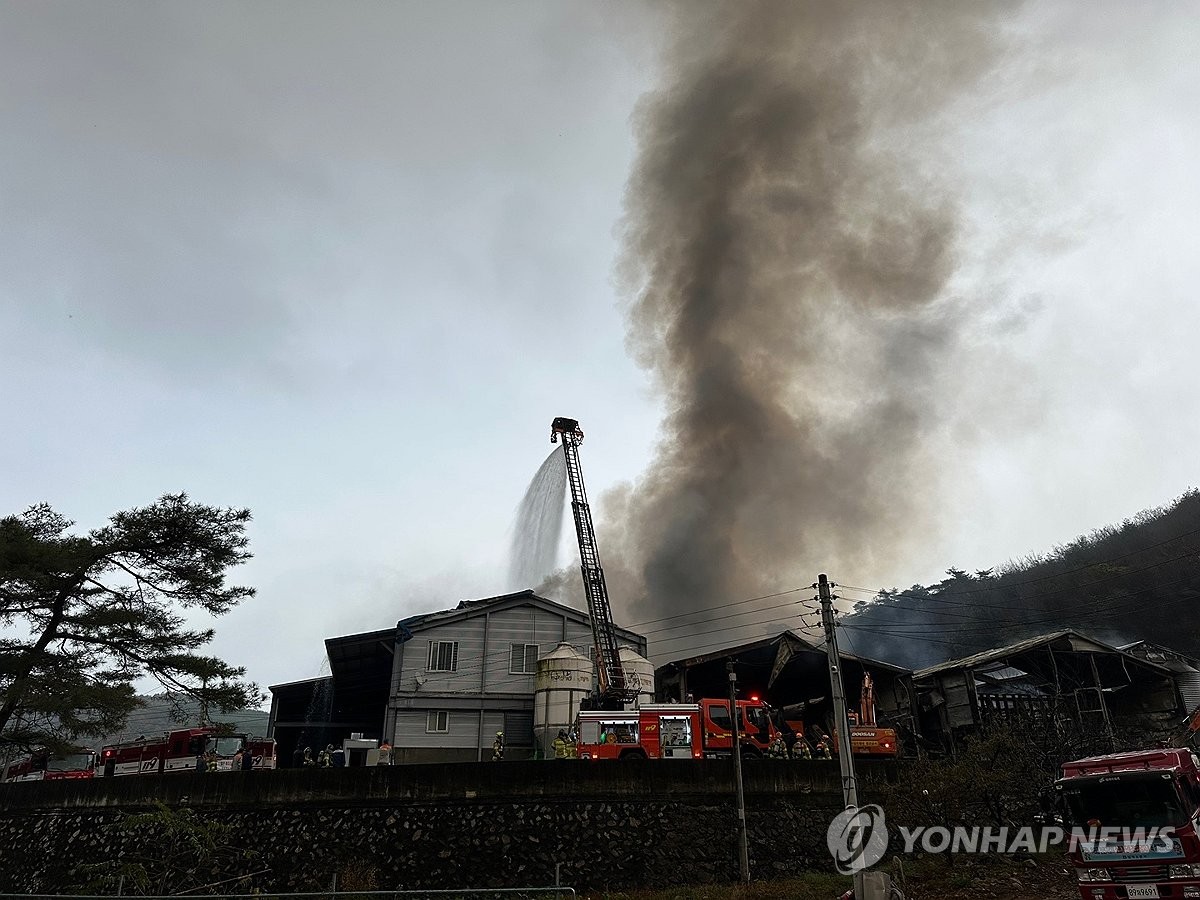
605	824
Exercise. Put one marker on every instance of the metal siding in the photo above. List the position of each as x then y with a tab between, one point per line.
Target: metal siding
492	722
414	677
410	729
1189	689
521	625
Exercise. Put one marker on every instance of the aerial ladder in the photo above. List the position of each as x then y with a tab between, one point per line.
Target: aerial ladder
614	692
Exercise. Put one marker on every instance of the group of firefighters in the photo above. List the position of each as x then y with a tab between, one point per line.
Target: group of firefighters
335	758
778	749
243	761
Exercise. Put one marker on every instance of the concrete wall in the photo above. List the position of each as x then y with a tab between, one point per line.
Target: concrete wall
609	825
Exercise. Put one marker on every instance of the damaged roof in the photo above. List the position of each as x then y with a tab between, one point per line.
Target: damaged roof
1075	642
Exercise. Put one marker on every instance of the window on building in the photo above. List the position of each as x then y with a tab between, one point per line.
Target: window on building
437	721
523	659
443	656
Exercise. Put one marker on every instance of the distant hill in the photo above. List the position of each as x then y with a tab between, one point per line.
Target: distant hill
155	717
1139	580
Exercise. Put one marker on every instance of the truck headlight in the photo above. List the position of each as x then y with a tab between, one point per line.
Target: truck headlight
1186	870
1092	874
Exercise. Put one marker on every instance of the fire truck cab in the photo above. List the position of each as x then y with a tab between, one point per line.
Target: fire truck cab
755	727
45	766
1119	801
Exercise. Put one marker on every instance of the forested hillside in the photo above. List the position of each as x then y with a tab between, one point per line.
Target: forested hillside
1121	583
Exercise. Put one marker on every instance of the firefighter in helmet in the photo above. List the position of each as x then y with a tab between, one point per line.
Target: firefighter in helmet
800	749
325	757
309	762
560	745
498	747
778	748
822	750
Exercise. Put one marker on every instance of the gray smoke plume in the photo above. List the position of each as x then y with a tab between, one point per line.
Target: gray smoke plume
789	250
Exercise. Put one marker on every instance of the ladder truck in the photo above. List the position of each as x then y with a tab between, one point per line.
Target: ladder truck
614	691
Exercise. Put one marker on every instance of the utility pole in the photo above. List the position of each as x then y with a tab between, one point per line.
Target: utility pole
743	840
841	720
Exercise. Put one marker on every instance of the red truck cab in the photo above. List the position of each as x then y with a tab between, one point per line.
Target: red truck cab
45	766
1135	818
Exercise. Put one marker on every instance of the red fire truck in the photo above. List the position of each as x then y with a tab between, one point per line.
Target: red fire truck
1110	798
179	751
46	766
674	731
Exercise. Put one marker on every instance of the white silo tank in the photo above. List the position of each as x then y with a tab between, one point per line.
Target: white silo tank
639	674
564	679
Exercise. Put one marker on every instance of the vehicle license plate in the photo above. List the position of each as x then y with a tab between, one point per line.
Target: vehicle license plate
1141	892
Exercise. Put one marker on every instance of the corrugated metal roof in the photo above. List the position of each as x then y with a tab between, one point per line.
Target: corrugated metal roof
467	608
1077	641
806	645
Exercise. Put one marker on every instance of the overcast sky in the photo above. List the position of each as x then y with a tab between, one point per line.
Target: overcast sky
341	263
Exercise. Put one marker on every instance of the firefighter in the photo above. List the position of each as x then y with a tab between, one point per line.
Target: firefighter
822	750
309	762
385	754
560	745
800	749
572	744
325	757
498	747
210	760
778	748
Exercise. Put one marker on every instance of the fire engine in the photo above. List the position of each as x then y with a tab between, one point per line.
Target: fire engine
46	766
1109	798
179	751
674	731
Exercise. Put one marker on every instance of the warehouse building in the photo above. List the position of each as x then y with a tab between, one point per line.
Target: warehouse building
438	686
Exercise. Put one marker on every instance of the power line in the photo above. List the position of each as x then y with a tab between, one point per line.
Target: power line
748	612
697	612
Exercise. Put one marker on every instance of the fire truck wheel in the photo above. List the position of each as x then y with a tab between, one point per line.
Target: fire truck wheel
633	754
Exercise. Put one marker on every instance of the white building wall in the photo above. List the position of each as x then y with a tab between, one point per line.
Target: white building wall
482	684
410	730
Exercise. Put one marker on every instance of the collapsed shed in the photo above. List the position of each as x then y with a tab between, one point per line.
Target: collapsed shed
1062	676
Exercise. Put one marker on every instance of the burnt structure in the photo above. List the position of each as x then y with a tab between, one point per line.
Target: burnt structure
1062	678
791	672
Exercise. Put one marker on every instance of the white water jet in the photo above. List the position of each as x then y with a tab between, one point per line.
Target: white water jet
537	529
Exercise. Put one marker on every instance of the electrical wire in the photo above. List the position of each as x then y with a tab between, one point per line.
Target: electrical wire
719	606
